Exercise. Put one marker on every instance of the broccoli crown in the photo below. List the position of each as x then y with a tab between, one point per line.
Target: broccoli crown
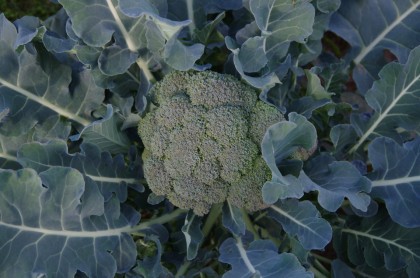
202	141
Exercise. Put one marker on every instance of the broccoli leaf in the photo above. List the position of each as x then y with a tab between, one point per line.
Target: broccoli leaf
8	148
133	27
280	141
232	219
396	178
303	220
105	133
282	22
33	93
378	241
27	28
334	182
327	6
97	21
373	26
115	60
111	174
259	259
182	57
395	99
150	265
340	269
264	82
192	233
53	128
8	32
56	223
342	136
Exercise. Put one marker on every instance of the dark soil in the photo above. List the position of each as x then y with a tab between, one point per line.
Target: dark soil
14	9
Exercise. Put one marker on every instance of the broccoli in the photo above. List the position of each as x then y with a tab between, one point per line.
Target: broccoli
202	141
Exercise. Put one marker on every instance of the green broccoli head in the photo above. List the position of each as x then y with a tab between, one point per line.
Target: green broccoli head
202	141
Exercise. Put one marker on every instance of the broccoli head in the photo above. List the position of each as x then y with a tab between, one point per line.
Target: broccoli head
202	141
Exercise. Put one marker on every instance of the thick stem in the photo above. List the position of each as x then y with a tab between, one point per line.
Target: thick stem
145	68
211	219
317	273
183	269
320	267
249	224
158	220
321	258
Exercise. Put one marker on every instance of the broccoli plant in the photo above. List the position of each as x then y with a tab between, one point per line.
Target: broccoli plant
202	141
211	138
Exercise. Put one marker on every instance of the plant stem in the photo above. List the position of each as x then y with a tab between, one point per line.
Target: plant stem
211	219
320	267
158	220
249	224
208	225
265	234
145	68
321	258
183	269
317	273
261	215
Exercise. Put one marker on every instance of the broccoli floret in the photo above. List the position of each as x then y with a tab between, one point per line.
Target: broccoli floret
202	141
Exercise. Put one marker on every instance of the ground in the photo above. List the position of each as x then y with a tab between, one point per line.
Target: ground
14	9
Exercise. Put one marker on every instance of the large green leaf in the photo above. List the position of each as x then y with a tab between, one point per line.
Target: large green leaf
373	26
112	175
279	142
396	178
395	99
57	223
259	259
34	92
193	234
53	128
378	241
335	181
132	27
232	219
106	133
282	22
303	220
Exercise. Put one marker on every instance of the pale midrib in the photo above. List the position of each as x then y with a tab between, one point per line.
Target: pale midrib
383	34
244	256
45	103
100	233
231	213
190	9
187	235
121	26
131	45
383	115
64	233
349	231
8	157
393	182
112	180
291	218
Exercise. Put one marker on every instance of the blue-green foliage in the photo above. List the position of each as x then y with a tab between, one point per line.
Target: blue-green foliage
259	259
46	219
394	182
343	188
371	27
379	242
301	219
232	219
